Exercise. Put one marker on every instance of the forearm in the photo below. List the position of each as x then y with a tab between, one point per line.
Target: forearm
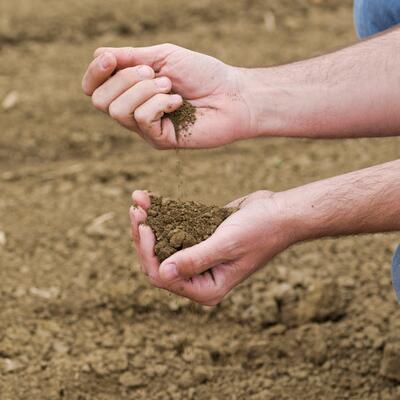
365	201
353	92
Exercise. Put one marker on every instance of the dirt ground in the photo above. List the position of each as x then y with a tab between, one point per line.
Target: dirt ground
77	319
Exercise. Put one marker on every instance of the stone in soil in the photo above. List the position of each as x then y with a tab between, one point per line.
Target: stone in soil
390	367
178	225
130	380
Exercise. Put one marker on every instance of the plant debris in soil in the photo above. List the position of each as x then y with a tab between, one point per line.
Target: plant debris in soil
183	117
181	224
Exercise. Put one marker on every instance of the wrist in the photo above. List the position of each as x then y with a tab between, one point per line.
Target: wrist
364	201
288	220
302	220
282	102
270	104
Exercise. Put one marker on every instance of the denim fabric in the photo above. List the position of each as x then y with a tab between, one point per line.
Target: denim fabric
373	16
396	272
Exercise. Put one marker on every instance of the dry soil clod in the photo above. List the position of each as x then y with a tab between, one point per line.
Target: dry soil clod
181	224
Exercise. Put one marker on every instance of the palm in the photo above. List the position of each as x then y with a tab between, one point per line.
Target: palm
213	88
253	240
240	245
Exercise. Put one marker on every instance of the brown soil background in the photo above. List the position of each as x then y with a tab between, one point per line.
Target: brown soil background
77	319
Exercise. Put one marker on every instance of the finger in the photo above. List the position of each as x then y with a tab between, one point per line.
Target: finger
142	199
149	118
123	108
207	289
149	260
237	202
130	56
105	94
138	216
98	72
194	260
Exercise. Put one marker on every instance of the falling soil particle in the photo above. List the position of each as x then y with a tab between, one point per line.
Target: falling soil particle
179	224
183	117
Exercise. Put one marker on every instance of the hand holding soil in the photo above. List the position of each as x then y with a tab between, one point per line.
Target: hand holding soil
207	271
138	87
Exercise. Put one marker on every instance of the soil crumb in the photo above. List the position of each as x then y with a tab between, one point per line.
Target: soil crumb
183	117
181	224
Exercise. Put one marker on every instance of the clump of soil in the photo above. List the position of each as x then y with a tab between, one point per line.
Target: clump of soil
183	117
179	224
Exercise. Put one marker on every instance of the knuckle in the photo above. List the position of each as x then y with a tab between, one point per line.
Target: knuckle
140	116
144	71
232	246
155	282
125	74
115	111
189	267
145	87
170	107
97	52
98	101
129	51
262	194
85	87
160	98
169	46
201	260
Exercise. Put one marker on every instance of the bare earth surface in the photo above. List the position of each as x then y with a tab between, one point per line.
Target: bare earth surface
77	319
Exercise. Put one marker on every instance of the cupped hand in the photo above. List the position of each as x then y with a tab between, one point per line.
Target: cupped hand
135	87
206	272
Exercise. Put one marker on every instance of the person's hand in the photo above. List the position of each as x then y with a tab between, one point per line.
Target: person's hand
206	272
135	85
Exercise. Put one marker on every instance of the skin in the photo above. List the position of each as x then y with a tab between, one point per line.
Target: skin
139	104
266	224
297	100
134	86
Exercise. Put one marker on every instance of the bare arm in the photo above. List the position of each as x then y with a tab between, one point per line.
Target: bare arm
364	201
266	224
353	92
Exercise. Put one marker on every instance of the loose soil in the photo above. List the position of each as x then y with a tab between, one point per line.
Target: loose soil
183	117
179	224
78	320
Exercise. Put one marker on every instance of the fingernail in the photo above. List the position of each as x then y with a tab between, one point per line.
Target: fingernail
163	83
169	272
145	72
141	227
176	98
105	61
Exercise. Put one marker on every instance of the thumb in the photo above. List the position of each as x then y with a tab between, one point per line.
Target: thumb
152	56
194	260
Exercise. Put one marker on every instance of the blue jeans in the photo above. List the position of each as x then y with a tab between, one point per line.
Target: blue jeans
396	272
371	17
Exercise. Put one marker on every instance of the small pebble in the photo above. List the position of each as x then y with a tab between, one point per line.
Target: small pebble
10	101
